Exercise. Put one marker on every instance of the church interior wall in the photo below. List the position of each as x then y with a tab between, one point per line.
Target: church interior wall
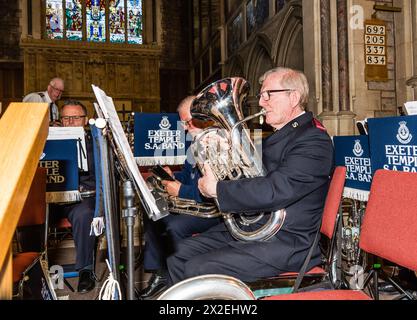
157	75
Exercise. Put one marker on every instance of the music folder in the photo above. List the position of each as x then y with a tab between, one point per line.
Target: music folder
69	133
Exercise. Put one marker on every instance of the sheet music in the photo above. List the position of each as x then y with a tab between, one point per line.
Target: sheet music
77	133
410	108
106	105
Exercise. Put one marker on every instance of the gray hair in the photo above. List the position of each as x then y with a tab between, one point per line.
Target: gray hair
55	80
74	103
291	79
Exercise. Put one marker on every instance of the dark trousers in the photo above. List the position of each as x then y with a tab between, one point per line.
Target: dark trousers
80	215
211	253
163	236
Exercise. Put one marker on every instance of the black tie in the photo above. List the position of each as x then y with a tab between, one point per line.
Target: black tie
51	114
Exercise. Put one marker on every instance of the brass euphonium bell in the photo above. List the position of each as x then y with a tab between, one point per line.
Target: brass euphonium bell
229	150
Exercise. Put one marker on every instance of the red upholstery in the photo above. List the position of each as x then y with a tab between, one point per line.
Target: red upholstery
33	213
323	295
333	201
20	262
315	270
63	223
389	228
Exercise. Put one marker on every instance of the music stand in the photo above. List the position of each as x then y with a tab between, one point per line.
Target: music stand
154	205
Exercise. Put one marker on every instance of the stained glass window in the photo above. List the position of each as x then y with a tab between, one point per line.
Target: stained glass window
134	24
117	20
89	20
74	19
54	19
96	20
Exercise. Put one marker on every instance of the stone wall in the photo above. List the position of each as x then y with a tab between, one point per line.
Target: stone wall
174	72
9	30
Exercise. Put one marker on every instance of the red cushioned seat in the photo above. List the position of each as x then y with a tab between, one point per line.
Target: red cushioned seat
315	271
21	262
323	295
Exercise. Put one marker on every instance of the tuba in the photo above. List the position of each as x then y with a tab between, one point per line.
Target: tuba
229	150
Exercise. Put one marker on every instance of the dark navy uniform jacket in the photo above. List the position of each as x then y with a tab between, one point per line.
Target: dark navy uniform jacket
298	160
188	177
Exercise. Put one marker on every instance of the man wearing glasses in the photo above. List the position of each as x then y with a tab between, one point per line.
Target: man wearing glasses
176	226
298	158
80	214
51	96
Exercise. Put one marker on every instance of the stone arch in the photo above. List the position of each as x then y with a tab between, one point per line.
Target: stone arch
259	62
236	68
287	47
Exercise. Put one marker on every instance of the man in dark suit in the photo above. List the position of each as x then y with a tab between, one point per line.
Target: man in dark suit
162	237
80	214
298	158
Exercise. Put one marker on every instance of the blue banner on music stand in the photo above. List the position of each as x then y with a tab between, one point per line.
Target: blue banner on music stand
393	143
60	158
159	138
353	153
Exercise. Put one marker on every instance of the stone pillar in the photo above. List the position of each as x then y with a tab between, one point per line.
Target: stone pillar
345	116
326	56
412	82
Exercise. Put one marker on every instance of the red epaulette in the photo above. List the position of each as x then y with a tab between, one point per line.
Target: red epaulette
319	125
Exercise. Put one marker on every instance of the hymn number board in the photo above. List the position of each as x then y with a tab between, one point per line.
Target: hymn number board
375	50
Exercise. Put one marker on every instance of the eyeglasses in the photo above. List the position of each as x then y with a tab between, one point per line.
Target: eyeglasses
266	95
76	118
56	89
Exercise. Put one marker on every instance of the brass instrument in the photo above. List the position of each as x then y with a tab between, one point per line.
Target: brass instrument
181	205
209	287
229	149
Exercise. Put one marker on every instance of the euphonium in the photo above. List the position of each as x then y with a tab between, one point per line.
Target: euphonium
229	149
181	205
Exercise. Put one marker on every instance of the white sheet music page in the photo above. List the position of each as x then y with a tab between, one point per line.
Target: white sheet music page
109	111
67	133
410	108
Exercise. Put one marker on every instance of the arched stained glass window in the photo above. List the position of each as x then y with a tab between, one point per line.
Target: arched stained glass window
116	21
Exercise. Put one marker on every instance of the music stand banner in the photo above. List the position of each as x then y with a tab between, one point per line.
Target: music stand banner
353	153
393	143
159	138
60	159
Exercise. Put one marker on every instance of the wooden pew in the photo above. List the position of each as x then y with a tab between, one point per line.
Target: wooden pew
23	132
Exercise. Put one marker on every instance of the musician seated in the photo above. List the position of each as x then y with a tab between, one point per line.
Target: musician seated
176	227
80	214
298	160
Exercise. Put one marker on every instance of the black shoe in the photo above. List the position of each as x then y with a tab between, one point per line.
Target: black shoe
86	281
157	283
387	288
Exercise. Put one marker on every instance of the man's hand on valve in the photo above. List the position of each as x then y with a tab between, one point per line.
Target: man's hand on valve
172	187
208	183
